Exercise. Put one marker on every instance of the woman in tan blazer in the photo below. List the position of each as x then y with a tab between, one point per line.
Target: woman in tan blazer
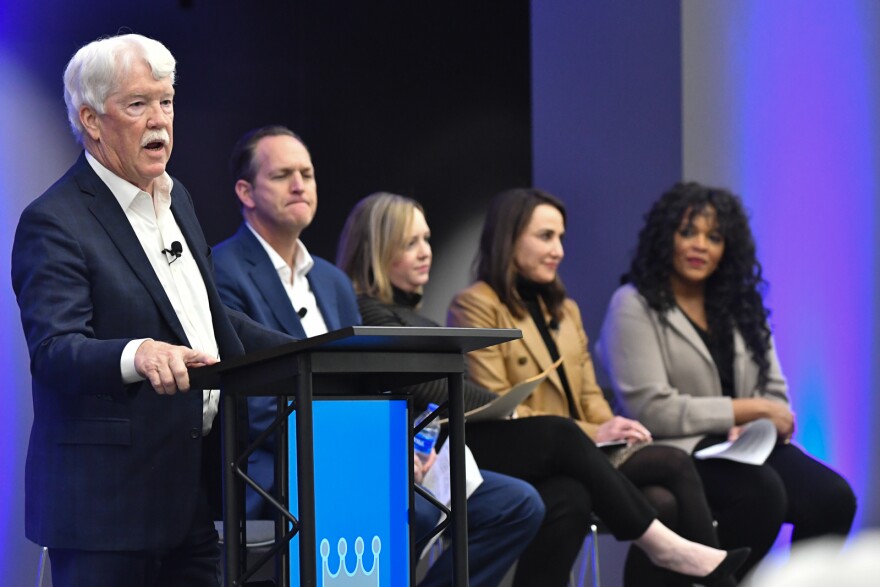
385	249
520	252
688	347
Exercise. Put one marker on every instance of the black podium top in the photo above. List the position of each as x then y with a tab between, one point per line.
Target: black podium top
360	340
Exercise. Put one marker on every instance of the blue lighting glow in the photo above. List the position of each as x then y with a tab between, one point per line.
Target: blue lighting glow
805	100
14	380
35	149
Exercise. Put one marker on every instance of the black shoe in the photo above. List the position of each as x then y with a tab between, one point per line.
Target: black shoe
727	567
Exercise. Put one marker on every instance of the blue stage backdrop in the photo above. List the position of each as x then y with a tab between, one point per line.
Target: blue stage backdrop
781	104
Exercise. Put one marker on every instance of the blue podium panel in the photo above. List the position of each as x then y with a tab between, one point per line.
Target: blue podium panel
363	466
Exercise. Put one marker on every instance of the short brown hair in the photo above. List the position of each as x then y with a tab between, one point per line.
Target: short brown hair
241	162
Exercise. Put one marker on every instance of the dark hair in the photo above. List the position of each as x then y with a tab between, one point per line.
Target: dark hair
509	214
733	292
241	162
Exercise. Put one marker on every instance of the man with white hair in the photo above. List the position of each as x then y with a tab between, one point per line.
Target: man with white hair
117	298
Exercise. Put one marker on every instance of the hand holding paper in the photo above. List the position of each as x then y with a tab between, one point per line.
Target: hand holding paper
752	447
420	469
437	478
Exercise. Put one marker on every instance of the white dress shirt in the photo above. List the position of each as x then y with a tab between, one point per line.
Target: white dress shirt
156	228
297	285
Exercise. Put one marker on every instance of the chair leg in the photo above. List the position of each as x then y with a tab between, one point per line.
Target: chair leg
578	575
594	555
41	569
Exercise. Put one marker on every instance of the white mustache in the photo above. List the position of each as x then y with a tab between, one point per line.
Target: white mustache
153	136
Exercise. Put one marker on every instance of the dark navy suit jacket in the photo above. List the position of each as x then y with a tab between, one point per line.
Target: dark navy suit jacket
248	282
109	466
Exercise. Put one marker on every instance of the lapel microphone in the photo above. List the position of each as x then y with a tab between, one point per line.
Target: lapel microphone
175	251
302	312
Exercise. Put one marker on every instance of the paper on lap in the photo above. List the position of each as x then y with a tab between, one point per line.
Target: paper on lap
754	445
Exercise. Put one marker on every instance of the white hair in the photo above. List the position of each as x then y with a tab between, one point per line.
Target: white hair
95	71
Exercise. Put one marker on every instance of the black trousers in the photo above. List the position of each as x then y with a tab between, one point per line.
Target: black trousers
574	479
752	502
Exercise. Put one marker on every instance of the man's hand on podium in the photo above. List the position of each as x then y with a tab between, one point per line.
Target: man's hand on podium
166	365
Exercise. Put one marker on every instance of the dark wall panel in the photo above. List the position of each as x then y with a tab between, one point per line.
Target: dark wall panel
607	128
417	99
420	99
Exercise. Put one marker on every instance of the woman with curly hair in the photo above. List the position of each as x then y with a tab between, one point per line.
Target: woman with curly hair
385	249
688	348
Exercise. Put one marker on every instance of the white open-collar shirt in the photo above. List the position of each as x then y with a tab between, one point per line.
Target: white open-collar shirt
296	284
154	224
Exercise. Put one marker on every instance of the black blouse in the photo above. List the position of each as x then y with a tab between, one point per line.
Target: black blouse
721	349
529	292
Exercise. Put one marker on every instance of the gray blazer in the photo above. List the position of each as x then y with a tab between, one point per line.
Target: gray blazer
664	376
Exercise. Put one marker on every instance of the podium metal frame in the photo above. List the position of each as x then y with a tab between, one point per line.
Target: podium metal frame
357	360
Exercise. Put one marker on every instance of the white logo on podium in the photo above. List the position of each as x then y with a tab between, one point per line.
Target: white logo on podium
342	577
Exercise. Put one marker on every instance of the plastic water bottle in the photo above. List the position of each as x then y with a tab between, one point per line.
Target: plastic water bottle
424	441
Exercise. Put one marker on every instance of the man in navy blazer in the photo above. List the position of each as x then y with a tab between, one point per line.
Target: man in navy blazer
265	270
115	285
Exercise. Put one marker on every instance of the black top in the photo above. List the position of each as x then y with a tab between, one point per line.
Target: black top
721	348
403	313
529	292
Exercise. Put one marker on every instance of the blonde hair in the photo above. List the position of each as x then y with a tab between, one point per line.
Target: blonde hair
374	234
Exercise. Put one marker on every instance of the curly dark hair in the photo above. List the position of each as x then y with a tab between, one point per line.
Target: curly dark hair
734	292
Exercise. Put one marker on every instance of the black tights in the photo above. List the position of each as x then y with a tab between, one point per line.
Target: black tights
667	478
574	479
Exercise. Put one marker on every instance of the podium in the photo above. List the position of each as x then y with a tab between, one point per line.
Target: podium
357	360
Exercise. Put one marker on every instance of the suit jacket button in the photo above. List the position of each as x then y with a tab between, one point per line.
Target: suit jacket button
195	433
522	360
